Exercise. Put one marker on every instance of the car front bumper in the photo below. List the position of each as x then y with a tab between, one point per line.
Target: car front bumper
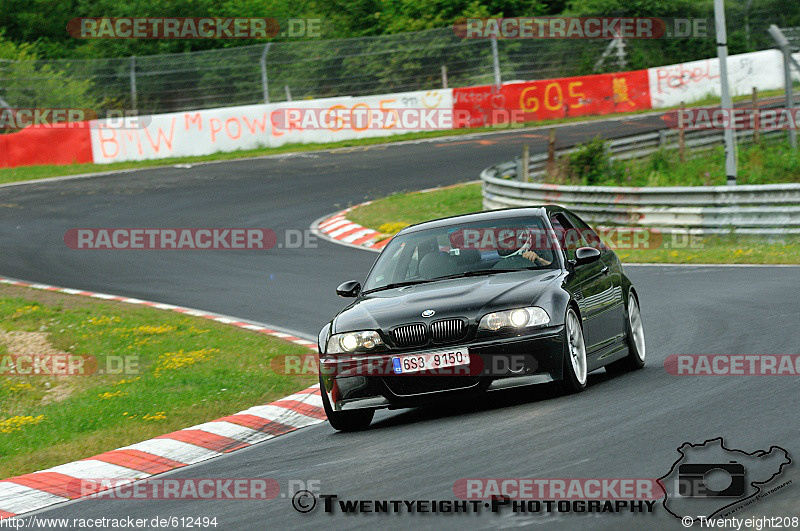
496	363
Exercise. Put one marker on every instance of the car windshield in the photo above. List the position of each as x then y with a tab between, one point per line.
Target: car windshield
464	249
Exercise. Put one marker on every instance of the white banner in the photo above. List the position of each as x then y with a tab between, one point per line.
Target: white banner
252	126
687	82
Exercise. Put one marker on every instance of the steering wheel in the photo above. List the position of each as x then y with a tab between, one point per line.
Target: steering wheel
525	247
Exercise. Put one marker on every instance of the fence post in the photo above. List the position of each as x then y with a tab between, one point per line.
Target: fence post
681	135
551	151
525	163
264	83
495	61
288	93
756	116
622	62
444	76
779	37
134	97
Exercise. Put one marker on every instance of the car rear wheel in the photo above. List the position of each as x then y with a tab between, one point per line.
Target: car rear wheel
634	330
358	419
575	365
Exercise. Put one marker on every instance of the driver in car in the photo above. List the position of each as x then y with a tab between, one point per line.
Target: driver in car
520	257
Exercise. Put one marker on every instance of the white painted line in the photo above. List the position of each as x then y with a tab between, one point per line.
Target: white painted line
93	469
233	431
356	235
346	228
18	499
102	296
281	415
175	450
340	227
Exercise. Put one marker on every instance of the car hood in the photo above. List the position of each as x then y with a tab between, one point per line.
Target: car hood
470	297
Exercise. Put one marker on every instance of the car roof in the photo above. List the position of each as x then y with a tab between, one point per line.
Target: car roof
504	213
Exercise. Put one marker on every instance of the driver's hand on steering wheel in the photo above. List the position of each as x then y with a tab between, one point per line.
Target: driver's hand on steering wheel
533	257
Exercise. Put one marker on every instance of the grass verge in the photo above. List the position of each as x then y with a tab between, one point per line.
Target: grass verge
176	371
391	213
25	173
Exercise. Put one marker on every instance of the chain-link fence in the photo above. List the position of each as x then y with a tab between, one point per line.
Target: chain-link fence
277	71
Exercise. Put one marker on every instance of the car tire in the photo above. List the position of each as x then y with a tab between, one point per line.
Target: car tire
355	420
634	332
575	363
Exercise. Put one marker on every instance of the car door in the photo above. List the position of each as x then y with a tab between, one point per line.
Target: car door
589	283
614	311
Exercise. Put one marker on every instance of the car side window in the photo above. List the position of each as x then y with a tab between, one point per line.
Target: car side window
590	237
568	236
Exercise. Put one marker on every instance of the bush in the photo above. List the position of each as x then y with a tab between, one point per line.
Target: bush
590	164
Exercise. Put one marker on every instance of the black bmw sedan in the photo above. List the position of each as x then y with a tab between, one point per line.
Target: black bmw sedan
476	303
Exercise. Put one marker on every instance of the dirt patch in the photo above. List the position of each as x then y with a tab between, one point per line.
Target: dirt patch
20	343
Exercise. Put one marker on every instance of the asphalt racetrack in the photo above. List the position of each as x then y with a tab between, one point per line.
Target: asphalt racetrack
623	427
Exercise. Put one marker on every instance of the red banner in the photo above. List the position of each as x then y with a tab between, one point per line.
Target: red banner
45	145
553	98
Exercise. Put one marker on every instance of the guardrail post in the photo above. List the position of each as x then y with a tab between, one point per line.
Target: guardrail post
662	138
725	94
264	83
551	151
134	96
525	161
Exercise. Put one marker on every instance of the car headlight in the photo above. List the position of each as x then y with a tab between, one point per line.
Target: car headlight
353	341
517	318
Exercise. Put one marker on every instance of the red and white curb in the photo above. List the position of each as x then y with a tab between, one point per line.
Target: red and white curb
337	228
30	492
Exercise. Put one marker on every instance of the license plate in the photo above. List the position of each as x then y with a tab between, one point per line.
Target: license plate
430	361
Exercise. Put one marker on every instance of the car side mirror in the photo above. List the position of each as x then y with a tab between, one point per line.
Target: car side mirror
351	288
586	255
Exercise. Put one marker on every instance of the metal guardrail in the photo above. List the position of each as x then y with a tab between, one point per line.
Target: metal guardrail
746	209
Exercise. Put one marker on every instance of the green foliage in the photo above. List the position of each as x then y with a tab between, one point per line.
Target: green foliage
589	164
28	84
766	163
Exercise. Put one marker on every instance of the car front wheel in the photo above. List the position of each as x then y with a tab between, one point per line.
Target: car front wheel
575	366
636	347
356	420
